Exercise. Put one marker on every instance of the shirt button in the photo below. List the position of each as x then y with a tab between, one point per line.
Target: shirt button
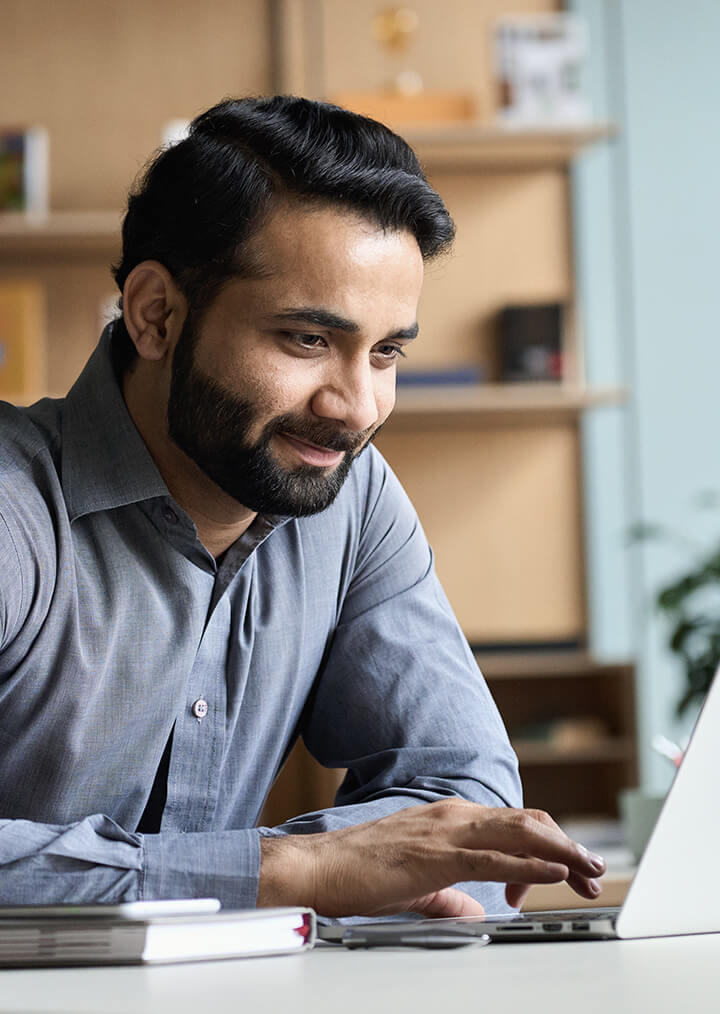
200	709
170	516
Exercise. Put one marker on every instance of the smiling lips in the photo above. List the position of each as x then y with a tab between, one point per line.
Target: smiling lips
313	454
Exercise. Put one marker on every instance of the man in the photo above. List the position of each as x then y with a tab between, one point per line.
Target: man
202	558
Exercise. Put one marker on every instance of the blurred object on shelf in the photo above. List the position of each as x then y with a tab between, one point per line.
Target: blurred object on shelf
578	732
394	27
531	342
668	748
462	375
23	370
402	99
24	170
570	733
639	811
108	310
174	131
539	60
399	110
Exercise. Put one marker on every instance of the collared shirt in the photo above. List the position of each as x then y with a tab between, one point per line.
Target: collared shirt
116	623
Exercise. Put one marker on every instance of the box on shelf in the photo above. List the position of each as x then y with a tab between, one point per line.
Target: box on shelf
531	342
400	110
539	62
24	170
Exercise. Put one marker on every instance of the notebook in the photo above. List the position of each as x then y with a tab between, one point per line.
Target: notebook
674	891
148	933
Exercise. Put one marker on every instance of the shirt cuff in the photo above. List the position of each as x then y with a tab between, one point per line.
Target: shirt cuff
210	864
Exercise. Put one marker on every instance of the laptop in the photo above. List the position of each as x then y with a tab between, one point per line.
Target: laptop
674	891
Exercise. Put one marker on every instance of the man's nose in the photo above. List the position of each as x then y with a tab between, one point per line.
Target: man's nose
349	397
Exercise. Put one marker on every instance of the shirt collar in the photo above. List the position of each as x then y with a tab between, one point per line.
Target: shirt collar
105	462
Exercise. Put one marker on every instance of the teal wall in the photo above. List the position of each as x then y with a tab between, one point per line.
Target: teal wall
648	267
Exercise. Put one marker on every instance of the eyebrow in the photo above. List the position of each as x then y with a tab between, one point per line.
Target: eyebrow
334	322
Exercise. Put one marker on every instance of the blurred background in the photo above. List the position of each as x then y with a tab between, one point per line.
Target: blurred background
563	393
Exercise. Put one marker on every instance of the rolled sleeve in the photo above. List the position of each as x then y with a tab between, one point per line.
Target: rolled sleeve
95	861
91	860
216	864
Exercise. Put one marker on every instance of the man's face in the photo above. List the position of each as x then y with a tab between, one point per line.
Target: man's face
289	374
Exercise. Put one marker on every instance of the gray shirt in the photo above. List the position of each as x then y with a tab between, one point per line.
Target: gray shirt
115	621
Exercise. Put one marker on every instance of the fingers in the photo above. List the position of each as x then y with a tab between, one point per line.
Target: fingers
449	903
531	833
491	864
597	863
587	887
515	894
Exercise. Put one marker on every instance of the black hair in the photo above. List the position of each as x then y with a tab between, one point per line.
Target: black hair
198	202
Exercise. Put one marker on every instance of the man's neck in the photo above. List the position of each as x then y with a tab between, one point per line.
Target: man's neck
220	520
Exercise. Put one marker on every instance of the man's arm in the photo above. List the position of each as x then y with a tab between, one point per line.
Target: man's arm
409	860
95	860
401	704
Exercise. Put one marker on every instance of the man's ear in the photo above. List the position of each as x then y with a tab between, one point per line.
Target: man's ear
154	310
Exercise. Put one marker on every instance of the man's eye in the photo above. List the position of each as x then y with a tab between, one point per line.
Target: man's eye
305	341
389	353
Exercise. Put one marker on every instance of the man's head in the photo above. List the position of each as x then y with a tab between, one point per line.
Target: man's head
290	235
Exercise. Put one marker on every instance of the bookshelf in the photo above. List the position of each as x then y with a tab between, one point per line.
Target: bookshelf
581	772
504	462
66	233
498	402
496	148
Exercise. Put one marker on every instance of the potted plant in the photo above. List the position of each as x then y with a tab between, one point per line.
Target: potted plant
690	604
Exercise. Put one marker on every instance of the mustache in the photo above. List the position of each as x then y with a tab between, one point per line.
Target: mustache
318	433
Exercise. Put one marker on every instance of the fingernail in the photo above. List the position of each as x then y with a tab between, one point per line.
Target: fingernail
594	886
597	862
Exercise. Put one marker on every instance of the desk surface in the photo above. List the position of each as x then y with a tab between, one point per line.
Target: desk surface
664	976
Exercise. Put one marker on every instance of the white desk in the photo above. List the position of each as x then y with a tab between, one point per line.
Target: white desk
669	976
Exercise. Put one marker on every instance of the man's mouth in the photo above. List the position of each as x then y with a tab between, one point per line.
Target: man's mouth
313	454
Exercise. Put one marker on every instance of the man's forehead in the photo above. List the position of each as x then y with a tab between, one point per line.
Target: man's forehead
292	226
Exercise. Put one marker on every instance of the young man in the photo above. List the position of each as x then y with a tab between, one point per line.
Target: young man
202	558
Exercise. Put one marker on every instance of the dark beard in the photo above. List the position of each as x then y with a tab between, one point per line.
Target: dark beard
211	426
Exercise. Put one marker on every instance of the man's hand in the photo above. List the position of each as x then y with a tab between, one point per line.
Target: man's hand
407	861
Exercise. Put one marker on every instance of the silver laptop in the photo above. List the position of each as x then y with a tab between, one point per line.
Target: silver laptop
674	891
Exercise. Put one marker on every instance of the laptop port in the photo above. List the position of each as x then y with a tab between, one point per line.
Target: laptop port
581	927
552	927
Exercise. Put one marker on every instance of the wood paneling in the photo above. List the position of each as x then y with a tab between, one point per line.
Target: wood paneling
512	245
104	77
501	510
451	48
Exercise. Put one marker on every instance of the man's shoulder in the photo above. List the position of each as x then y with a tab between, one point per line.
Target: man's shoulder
27	432
371	501
29	456
371	483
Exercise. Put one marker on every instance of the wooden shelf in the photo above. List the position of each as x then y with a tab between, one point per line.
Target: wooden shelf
532	753
499	401
68	233
447	148
545	665
457	149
